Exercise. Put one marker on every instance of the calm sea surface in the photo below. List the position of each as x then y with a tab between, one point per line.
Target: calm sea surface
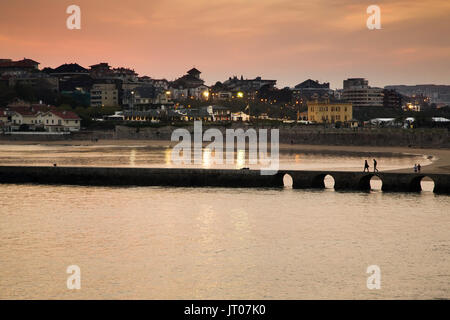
217	243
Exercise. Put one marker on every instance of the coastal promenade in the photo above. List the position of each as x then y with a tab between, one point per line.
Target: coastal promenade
301	179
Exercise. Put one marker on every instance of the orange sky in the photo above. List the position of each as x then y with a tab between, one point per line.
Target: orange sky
287	40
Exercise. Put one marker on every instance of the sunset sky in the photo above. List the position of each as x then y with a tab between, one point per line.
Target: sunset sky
287	40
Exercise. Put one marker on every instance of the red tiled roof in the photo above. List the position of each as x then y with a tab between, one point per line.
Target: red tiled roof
42	107
67	115
25	113
35	108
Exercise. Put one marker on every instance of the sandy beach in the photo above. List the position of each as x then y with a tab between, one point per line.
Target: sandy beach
440	157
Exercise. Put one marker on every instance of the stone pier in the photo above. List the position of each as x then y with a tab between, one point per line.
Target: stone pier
106	176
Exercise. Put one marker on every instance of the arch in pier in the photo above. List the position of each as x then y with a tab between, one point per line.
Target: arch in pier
288	182
422	183
370	181
376	183
323	181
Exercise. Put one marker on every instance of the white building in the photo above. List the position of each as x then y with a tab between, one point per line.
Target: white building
59	121
19	118
37	118
240	116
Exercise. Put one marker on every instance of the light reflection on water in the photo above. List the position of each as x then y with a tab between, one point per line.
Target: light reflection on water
200	243
145	156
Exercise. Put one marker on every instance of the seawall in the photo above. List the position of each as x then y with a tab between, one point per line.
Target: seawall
312	135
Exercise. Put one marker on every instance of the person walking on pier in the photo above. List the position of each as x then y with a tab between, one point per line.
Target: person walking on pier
366	166
418	167
415	167
375	166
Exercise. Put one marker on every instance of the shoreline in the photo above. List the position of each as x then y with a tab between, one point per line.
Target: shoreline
440	157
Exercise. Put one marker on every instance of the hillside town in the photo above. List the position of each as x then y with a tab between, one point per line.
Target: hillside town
71	98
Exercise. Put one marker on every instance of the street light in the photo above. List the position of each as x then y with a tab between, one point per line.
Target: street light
132	103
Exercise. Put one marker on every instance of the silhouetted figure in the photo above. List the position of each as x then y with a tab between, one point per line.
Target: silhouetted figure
366	166
418	167
415	167
54	164
375	166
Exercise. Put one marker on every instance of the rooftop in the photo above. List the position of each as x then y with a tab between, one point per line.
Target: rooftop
70	68
24	63
194	71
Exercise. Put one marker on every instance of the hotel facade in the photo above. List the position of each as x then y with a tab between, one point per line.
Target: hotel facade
329	112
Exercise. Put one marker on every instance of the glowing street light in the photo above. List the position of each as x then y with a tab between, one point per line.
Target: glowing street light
206	94
240	94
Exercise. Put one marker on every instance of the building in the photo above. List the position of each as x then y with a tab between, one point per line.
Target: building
311	90
201	114
67	69
358	92
26	73
104	71
417	102
124	74
4	116
240	116
209	113
39	117
219	92
190	79
329	112
25	114
100	71
72	77
23	117
200	92
354	83
221	95
104	95
59	121
139	98
144	98
157	83
247	85
392	99
439	94
36	80
151	115
189	86
219	113
18	68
